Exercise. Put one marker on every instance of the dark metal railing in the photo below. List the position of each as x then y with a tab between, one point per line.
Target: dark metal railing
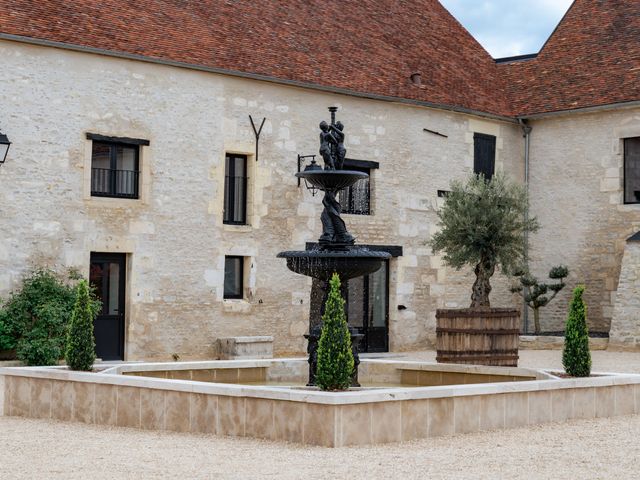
114	183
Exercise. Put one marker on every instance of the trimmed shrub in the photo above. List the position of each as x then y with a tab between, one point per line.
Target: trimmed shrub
81	346
576	357
34	320
335	358
536	294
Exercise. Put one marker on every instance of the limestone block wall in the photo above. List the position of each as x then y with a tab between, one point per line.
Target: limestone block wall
576	187
173	235
625	324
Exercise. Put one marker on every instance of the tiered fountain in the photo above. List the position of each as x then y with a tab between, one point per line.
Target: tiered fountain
336	251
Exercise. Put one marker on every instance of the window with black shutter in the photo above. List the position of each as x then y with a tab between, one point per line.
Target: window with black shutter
632	170
484	154
235	189
114	170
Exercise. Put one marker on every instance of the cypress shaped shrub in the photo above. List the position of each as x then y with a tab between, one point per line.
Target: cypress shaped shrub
576	357
335	358
81	347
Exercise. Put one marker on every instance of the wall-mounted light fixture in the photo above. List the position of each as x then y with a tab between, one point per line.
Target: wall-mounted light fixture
4	147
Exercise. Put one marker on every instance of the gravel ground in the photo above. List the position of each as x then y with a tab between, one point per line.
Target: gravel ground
590	449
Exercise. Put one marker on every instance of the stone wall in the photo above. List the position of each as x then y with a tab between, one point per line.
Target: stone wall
576	188
174	235
625	325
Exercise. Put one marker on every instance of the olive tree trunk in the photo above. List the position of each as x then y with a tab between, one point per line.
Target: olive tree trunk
482	286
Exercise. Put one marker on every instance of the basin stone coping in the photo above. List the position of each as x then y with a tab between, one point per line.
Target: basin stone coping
319	397
261	363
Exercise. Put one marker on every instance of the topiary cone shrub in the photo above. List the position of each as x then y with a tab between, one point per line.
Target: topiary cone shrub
81	347
576	357
335	358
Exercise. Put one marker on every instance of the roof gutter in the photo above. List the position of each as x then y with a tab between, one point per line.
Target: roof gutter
526	132
252	76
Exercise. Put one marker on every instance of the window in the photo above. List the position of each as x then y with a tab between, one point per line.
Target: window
356	199
484	154
233	277
235	189
114	169
632	170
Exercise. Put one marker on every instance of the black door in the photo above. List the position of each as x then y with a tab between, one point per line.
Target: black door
107	276
368	309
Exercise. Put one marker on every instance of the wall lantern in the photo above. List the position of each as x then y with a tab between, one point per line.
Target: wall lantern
312	166
4	147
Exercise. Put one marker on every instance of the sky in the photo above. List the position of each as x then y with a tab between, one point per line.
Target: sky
509	27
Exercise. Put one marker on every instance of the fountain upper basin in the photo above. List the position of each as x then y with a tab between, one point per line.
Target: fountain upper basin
331	180
322	264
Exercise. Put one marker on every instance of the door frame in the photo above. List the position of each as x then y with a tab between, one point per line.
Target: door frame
122	260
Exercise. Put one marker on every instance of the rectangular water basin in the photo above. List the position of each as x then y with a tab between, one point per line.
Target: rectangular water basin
210	397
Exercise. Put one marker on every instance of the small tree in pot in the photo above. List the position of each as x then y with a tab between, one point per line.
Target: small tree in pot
482	225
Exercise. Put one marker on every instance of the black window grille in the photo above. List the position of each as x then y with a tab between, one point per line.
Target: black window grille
484	154
114	170
632	170
235	190
233	277
356	199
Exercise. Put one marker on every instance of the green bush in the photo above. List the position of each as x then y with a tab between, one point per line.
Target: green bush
80	351
34	319
576	357
335	358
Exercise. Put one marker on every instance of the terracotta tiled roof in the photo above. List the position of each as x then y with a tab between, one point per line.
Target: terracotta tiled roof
369	47
366	46
592	59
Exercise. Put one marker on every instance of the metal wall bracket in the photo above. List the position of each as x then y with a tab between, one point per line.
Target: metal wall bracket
257	132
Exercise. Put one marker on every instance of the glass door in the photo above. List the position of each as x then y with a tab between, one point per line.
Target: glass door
107	276
368	309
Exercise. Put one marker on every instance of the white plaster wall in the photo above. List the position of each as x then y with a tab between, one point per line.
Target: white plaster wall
174	234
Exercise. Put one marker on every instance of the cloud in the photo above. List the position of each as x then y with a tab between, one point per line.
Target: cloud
507	27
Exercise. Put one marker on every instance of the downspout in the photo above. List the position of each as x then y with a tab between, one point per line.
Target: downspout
526	131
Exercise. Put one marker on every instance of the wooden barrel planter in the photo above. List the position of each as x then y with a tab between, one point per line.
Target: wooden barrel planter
478	336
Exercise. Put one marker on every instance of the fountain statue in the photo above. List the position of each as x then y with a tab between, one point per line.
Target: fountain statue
336	251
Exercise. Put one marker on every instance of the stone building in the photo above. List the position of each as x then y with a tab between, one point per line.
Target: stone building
134	159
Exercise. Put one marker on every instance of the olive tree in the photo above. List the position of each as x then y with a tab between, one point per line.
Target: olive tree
483	225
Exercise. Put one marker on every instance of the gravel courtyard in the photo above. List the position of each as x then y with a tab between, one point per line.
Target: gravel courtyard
606	448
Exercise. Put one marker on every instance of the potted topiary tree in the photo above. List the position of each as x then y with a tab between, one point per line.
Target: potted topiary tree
576	356
335	357
482	225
